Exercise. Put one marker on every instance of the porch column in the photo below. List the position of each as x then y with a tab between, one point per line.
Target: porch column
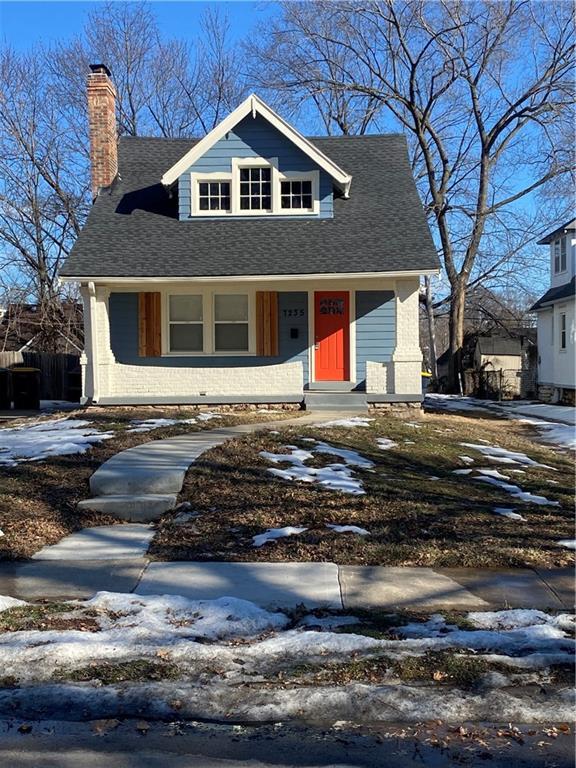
97	359
407	356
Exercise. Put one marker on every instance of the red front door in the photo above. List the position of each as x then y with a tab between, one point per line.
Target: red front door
331	336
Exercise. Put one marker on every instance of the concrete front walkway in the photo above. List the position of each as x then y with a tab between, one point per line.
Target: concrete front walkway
287	585
141	483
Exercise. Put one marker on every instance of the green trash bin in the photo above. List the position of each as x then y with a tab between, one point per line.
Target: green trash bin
26	388
5	389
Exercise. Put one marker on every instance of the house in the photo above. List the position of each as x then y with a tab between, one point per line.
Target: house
26	328
253	265
497	362
556	319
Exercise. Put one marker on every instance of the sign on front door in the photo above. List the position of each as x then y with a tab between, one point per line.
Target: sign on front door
332	336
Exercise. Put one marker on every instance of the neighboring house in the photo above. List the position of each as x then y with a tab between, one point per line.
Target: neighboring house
556	319
499	362
253	265
23	328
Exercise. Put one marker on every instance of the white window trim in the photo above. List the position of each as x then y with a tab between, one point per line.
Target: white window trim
196	177
558	242
314	177
215	322
562	332
233	177
208	300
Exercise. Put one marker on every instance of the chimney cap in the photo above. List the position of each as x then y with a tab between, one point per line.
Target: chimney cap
99	69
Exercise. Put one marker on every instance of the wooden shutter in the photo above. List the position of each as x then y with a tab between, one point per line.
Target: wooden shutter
149	325
267	323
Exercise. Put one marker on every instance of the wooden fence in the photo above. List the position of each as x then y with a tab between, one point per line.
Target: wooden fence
59	373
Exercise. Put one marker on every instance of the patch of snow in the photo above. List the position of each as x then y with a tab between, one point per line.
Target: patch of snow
493	473
348	529
208	416
147	425
413	424
276	533
60	437
433	477
296	455
462	471
336	476
352	458
505	456
519	618
518	493
567	543
466	459
385	444
508	512
354	421
7	602
328	623
409	442
561	435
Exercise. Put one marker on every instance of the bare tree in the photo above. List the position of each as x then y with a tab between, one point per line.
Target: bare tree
165	87
484	91
42	198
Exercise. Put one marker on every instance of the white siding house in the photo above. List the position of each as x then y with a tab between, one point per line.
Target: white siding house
557	320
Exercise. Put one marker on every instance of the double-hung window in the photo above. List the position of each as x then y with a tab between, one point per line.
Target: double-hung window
296	194
231	332
560	255
186	323
563	330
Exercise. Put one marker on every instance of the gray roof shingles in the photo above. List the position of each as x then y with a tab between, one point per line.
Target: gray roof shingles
133	230
566	291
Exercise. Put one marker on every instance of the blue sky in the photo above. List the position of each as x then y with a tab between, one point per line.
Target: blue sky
24	23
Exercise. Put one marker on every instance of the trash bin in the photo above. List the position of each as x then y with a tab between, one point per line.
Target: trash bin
26	388
5	389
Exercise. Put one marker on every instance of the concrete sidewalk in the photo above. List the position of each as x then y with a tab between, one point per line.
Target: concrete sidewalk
141	483
287	585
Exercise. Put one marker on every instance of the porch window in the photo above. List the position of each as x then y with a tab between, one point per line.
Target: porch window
255	189
560	255
296	194
214	195
186	323
231	332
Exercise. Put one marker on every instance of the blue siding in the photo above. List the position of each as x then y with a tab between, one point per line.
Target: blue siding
375	330
293	314
255	137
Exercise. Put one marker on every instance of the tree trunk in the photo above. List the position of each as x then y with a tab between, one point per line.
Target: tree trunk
431	329
456	329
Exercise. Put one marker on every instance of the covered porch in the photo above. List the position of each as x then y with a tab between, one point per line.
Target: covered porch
254	341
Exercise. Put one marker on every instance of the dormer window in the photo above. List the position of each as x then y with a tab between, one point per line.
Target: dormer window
559	251
255	189
296	194
214	196
254	186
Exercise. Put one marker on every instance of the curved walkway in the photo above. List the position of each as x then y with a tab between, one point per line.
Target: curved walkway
141	483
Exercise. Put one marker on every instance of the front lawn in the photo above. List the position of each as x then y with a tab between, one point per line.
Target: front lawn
38	498
416	510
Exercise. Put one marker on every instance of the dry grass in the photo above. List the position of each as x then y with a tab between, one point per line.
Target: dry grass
412	520
38	499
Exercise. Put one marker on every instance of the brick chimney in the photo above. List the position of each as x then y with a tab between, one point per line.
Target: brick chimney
102	123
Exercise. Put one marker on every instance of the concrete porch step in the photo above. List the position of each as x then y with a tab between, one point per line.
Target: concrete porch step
141	508
335	401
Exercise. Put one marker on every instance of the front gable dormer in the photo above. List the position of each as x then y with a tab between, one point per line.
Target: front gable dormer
254	164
